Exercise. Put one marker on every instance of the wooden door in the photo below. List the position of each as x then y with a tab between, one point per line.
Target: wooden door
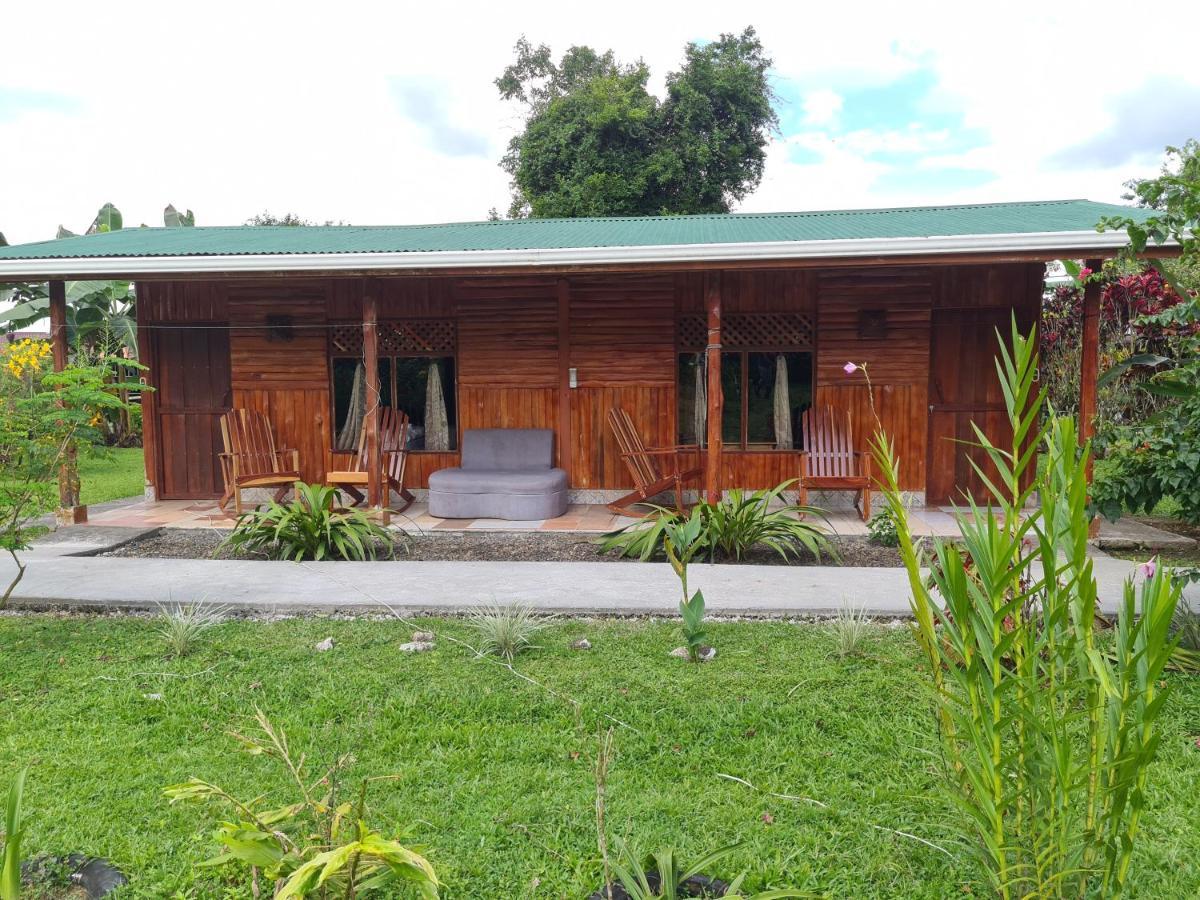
963	388
193	390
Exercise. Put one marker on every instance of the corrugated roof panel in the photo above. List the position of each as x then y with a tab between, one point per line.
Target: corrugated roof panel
551	234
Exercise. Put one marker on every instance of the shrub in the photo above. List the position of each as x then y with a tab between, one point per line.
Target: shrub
182	625
310	527
663	875
882	528
317	845
729	528
508	630
1047	738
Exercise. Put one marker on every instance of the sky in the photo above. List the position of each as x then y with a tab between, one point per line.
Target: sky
385	112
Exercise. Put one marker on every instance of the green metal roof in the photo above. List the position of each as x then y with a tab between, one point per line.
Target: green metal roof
554	234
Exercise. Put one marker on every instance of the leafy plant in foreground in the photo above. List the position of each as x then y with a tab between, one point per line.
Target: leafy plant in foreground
849	628
664	876
310	527
14	832
682	540
729	528
1048	733
317	845
506	631
182	625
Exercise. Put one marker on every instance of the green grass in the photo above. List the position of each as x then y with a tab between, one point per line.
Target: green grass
497	773
119	474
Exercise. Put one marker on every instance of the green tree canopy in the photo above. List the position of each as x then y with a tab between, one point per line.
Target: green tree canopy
596	142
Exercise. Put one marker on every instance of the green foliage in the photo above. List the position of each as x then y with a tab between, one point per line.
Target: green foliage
729	528
882	529
14	833
1175	194
850	628
682	540
183	625
44	415
310	527
1144	466
664	875
597	143
508	630
1047	739
317	845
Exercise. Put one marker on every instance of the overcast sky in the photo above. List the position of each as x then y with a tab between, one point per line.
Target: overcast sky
385	112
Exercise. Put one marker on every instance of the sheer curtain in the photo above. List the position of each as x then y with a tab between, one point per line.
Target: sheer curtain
782	406
700	407
347	438
437	429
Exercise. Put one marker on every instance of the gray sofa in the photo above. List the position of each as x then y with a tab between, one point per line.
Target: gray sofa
506	473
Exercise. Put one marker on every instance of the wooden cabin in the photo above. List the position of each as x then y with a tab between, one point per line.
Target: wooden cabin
701	327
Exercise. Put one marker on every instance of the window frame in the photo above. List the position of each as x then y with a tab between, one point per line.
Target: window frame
333	354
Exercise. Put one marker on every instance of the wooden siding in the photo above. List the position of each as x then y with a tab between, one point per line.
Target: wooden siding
512	358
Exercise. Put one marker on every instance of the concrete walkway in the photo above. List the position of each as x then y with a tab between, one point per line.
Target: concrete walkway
578	588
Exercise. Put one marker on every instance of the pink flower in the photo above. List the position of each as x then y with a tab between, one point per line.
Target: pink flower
1084	272
849	368
1147	568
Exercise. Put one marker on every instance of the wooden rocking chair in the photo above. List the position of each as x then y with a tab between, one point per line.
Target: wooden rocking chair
648	477
251	459
829	461
393	455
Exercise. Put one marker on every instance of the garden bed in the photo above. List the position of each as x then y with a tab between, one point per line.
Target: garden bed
521	546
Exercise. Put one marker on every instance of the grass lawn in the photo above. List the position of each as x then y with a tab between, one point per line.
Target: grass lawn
496	772
111	477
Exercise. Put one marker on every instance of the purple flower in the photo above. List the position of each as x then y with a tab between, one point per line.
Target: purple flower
849	368
1147	568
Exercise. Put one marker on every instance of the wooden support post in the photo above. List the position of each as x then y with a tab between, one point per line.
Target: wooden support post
1089	365
716	402
70	512
565	436
371	378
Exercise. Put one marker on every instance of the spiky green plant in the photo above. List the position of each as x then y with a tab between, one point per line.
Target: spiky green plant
730	527
850	628
183	625
14	832
506	630
663	875
311	527
1048	740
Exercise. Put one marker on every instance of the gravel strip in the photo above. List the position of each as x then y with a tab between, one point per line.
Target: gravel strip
192	543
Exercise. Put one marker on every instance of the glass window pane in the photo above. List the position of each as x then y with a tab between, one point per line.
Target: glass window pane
412	396
343	386
731	388
691	419
792	387
385	381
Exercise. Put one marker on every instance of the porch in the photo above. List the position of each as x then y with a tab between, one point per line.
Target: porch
580	518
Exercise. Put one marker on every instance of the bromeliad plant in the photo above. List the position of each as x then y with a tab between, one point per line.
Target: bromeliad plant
730	527
664	876
311	527
1048	729
317	846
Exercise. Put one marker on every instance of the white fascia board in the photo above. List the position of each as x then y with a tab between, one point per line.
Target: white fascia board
1057	241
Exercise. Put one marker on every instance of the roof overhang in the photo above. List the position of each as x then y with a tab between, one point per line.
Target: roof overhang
1027	245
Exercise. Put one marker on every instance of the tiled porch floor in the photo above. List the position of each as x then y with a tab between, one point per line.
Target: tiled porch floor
581	518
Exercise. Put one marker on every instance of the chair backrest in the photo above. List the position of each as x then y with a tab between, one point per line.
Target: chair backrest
507	449
247	435
393	436
633	449
828	442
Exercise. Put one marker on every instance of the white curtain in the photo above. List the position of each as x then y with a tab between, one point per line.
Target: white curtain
700	407
782	406
347	438
437	428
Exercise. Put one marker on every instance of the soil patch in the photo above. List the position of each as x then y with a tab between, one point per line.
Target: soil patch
539	546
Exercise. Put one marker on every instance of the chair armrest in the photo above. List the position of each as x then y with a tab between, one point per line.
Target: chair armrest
660	451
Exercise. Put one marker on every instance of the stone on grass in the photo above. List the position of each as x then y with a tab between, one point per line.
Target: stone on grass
581	644
423	637
706	653
322	646
416	646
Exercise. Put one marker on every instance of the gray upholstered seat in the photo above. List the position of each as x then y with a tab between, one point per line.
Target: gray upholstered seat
506	473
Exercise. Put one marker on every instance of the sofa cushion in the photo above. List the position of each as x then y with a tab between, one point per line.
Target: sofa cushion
498	481
501	449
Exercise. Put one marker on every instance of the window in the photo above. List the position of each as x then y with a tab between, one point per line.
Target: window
755	384
421	386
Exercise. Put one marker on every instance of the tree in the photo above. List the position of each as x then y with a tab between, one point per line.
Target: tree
288	220
596	142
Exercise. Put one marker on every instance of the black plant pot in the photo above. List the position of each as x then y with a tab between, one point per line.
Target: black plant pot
696	886
98	877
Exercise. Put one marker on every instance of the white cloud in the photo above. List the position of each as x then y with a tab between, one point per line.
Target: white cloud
232	108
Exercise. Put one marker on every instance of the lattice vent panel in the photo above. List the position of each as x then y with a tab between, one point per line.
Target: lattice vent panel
750	331
398	338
